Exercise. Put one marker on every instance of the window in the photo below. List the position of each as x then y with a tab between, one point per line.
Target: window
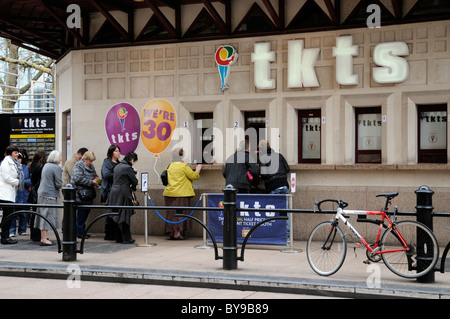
203	138
368	135
255	127
309	136
432	133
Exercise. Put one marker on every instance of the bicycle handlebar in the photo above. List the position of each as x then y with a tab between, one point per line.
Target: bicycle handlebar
341	204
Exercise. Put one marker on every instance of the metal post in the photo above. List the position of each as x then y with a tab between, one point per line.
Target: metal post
290	221
205	239
424	209
146	243
229	228
69	244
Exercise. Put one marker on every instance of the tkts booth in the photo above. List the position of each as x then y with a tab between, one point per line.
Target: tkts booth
355	94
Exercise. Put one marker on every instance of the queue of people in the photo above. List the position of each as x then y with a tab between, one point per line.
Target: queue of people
42	180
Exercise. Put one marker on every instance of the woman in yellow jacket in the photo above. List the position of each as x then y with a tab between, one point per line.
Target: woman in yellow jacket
179	192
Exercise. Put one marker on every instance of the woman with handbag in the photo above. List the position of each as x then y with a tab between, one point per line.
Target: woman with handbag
48	193
85	180
179	191
124	184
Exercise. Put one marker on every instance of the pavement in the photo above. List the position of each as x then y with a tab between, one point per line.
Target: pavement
183	263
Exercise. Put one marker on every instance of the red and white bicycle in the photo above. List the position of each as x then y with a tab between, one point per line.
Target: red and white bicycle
408	248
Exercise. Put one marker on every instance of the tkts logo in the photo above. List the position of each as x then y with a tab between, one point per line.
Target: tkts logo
226	56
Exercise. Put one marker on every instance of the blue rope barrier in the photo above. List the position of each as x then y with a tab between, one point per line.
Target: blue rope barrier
168	221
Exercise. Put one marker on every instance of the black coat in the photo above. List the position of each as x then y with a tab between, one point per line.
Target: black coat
235	170
274	170
124	182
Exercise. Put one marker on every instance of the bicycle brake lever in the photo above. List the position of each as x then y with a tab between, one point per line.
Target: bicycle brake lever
316	203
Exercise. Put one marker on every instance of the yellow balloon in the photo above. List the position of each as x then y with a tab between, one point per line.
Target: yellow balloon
158	122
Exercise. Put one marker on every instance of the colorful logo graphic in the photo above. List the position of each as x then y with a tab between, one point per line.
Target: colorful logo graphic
225	57
432	138
20	123
122	114
127	138
312	147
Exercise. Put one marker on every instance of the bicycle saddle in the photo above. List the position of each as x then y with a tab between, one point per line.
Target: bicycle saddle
388	195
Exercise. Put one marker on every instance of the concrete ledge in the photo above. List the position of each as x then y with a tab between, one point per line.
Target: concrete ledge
222	281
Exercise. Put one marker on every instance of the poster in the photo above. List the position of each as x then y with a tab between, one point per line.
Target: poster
270	233
33	132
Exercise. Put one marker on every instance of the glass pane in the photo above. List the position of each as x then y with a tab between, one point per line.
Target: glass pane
433	130
369	131
311	138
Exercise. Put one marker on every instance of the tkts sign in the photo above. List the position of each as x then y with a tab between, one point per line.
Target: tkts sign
391	66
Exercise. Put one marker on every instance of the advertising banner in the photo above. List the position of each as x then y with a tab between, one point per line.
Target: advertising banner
33	132
270	233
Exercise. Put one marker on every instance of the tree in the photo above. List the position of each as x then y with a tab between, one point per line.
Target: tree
25	59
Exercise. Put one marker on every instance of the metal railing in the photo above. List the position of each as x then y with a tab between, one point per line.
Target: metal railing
68	245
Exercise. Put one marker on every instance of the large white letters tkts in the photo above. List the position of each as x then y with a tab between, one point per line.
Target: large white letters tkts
344	51
262	58
393	69
301	65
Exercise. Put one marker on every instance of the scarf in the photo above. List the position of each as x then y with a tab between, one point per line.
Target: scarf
20	175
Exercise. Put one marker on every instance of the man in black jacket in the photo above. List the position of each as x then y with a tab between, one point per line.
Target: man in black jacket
236	167
274	169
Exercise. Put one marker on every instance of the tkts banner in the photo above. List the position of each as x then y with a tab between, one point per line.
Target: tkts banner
270	233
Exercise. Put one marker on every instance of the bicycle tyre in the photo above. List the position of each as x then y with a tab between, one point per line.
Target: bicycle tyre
326	248
405	263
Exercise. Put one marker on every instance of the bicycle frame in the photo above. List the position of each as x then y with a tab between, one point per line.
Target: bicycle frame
384	217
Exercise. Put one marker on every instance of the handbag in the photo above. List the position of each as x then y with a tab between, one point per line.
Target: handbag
164	177
249	176
87	194
134	199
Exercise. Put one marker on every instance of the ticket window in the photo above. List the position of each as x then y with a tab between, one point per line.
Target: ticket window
309	139
202	138
432	131
368	135
255	126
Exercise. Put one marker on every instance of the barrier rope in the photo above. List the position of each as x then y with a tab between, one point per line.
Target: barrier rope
168	221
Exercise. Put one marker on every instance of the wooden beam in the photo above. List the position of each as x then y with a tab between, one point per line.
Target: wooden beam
161	17
216	16
30	31
331	11
273	14
111	20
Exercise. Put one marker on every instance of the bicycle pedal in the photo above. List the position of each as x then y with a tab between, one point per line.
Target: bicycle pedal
367	262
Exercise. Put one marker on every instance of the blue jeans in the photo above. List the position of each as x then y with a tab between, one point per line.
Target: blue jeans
22	224
82	216
280	190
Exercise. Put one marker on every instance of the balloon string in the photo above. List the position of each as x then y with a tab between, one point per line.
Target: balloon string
154	168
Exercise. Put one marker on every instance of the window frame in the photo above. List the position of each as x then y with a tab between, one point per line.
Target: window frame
439	156
308	113
366	110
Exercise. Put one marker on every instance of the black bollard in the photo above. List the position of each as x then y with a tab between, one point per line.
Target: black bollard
69	244
229	228
424	209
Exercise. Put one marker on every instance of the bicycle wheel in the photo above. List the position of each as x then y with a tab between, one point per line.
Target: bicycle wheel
326	248
423	252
